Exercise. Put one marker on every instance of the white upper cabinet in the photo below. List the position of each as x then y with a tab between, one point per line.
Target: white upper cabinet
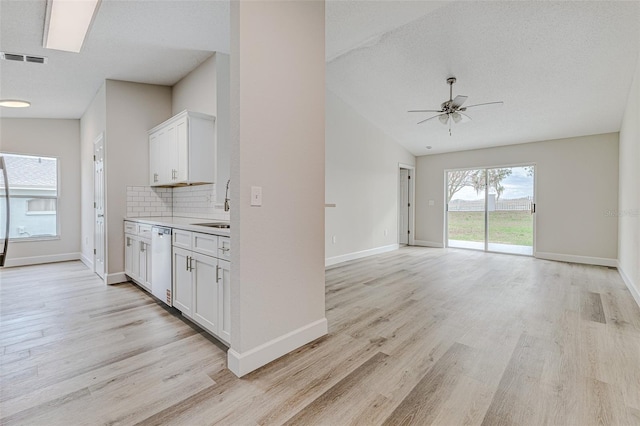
182	150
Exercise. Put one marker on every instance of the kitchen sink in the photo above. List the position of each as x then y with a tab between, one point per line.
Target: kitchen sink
214	225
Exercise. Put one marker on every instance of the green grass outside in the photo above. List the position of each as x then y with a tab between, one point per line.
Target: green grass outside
505	227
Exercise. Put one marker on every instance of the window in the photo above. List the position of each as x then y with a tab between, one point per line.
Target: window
33	196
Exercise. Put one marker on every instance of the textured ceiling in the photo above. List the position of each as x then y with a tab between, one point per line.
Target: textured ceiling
351	24
562	69
156	42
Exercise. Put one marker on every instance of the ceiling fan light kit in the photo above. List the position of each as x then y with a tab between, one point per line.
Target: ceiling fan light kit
452	110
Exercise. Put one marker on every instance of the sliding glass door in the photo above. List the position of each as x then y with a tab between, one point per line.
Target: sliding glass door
466	209
491	209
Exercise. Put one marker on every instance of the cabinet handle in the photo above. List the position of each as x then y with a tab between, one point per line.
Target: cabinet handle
142	246
188	264
191	268
225	249
173	174
128	242
217	273
155	177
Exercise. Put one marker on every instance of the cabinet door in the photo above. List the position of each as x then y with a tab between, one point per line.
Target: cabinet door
182	150
159	168
154	159
135	258
205	287
144	262
224	300
147	279
171	151
182	282
128	255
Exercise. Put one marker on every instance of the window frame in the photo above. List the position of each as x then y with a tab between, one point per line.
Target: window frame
58	232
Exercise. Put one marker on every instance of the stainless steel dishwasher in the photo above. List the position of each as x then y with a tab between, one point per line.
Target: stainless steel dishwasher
161	264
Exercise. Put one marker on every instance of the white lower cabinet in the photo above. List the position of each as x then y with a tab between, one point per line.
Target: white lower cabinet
205	289
182	281
201	281
224	295
137	255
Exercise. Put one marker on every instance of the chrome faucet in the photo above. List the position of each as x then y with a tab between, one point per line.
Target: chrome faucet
226	197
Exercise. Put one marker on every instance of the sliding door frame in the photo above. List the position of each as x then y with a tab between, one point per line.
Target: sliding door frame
486	200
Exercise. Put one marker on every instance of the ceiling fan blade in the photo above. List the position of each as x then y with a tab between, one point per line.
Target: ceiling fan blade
499	103
464	118
458	101
425	110
430	118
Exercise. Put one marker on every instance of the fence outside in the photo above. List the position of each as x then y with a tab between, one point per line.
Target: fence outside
519	204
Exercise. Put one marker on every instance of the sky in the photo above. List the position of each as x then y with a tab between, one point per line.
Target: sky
517	185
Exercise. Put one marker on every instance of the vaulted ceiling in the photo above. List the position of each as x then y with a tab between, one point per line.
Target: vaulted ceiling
562	68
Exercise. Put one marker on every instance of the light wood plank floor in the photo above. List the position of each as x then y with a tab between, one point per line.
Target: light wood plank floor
417	336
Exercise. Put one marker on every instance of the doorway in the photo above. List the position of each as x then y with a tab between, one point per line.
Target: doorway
405	205
491	209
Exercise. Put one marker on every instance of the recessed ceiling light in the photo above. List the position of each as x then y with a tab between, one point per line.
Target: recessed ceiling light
67	23
14	103
428	146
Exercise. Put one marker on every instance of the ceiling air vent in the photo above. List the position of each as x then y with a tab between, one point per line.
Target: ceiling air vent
35	59
23	58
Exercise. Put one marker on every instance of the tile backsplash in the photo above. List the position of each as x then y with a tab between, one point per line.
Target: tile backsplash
186	201
149	201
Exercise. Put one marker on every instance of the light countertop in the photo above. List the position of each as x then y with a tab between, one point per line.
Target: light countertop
184	223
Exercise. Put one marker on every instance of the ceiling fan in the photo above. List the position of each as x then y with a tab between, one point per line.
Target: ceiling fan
452	110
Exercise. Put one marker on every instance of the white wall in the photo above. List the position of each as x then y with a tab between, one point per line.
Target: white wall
362	180
206	90
92	123
197	90
576	187
629	191
278	138
131	110
52	138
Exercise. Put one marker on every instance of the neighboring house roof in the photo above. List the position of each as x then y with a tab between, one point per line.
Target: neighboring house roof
31	172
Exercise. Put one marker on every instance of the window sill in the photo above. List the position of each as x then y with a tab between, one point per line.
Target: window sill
34	239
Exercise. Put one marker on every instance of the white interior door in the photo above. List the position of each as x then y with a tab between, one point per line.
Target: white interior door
98	198
404	208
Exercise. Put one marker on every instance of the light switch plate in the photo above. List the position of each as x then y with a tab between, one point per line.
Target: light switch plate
256	195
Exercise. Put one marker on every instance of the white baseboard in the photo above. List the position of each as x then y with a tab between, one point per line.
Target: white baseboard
38	260
88	262
359	254
633	289
243	363
118	277
423	243
599	261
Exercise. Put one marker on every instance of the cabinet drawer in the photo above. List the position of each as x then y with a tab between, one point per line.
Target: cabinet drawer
130	227
224	248
205	244
144	231
182	239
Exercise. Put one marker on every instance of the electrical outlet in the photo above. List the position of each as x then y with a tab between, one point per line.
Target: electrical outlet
333	240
